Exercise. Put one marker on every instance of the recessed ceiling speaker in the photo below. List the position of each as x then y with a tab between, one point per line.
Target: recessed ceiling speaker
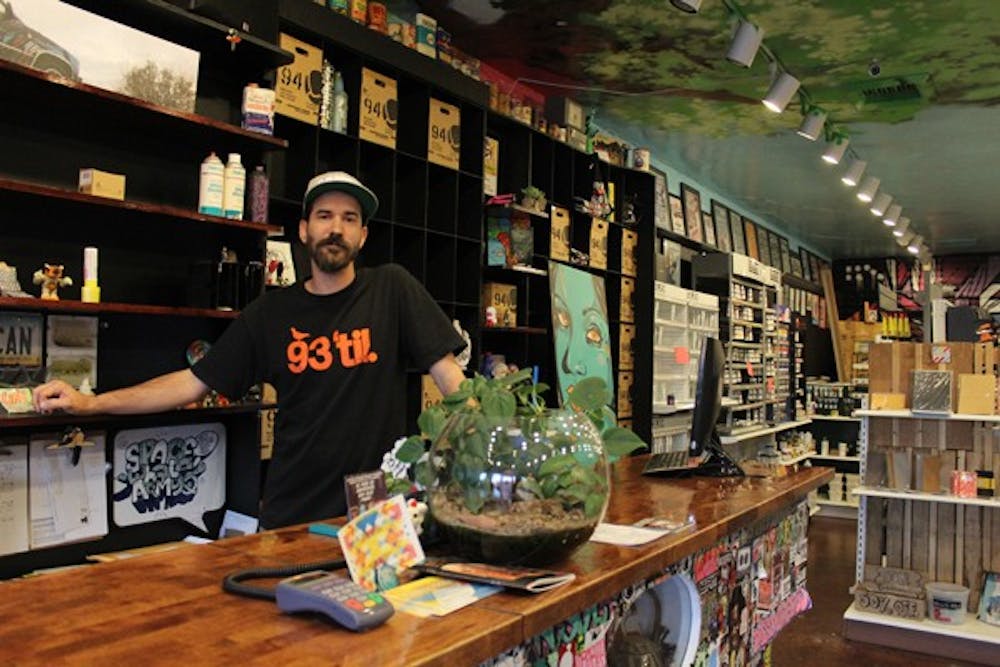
880	204
902	225
854	172
781	92
689	6
892	215
835	151
868	189
812	124
746	41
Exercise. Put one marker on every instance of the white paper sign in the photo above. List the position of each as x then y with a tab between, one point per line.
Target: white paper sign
169	471
14	498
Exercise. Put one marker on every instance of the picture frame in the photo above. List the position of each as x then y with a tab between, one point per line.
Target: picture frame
723	237
814	267
736	227
750	231
279	266
677	225
796	265
708	225
763	241
786	255
691	199
806	268
774	245
661	204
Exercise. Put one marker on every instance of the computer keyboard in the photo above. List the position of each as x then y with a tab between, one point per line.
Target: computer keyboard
667	461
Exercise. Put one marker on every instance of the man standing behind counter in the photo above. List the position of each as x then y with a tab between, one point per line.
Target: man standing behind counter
336	348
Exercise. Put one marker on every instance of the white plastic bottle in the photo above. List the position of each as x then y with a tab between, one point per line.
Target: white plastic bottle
339	120
210	185
234	187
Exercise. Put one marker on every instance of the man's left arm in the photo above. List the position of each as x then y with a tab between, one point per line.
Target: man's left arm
447	374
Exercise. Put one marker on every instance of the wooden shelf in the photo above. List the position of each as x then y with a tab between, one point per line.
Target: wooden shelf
108	308
65	419
81	100
821	457
909	414
834	418
946	498
158	17
515	330
835	503
791	280
23	188
749	435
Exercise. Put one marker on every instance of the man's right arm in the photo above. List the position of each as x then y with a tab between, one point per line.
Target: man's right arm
165	392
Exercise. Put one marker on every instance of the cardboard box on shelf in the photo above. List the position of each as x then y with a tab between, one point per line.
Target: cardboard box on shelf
293	93
102	184
977	394
444	134
427	35
378	111
502	299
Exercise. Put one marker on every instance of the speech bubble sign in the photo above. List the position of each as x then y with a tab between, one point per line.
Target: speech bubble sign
169	471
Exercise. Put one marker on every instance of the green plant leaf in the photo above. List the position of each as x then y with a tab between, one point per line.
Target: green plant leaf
556	465
593	504
459	397
499	404
398	486
620	442
590	394
431	421
474	499
411	450
424	474
531	486
515	378
550	485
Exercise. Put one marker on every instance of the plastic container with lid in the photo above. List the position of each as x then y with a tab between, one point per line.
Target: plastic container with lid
946	602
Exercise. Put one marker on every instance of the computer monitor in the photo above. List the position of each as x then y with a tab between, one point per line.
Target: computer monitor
704	442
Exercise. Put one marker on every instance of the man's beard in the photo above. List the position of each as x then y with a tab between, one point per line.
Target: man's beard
332	263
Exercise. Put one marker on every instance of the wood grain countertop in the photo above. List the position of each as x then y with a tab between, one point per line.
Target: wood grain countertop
169	608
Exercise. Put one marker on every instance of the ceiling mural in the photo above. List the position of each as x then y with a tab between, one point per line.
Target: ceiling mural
662	75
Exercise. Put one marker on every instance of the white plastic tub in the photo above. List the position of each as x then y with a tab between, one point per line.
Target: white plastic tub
946	602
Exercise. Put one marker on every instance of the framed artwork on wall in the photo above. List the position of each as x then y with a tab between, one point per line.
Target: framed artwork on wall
676	215
774	245
661	207
736	227
750	230
786	256
804	259
814	268
796	264
692	212
708	223
723	238
763	238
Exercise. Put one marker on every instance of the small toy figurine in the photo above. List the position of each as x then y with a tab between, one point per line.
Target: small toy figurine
491	316
51	278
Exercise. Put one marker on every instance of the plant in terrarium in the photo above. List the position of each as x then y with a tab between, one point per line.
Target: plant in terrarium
509	479
533	198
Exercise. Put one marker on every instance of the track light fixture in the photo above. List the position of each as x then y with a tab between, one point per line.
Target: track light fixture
880	204
854	172
901	227
781	92
689	6
892	215
868	189
835	150
746	42
812	124
913	247
905	239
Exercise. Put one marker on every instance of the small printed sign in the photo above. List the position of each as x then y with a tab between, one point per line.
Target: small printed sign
379	108
444	134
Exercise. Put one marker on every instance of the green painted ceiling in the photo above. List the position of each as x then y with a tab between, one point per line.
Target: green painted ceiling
937	152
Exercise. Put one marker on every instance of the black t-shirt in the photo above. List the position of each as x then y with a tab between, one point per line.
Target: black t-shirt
338	363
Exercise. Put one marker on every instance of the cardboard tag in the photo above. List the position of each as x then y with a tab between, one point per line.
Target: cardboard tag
560	234
625	394
629	242
626	356
627	308
444	134
598	243
294	92
379	110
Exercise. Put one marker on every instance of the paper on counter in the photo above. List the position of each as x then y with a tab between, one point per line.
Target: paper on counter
625	536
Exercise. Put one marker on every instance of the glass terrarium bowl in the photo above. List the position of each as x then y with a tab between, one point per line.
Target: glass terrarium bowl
522	490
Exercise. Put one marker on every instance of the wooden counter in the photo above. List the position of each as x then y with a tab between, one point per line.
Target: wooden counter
168	607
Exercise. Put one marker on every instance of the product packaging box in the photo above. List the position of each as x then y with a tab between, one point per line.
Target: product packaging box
625	380
293	94
498	246
427	35
626	355
977	394
378	110
628	300
257	110
500	303
444	134
359	11
444	51
564	111
559	236
491	165
378	17
102	184
629	242
522	239
599	243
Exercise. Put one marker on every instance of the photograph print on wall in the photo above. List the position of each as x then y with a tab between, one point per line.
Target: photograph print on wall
723	238
676	215
692	212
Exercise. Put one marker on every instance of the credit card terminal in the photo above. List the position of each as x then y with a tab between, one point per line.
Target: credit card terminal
338	597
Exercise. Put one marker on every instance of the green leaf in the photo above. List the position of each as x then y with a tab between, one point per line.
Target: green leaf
474	499
431	421
590	393
620	442
398	486
424	474
530	485
515	378
411	450
577	493
556	465
500	404
473	444
550	485
593	504
458	397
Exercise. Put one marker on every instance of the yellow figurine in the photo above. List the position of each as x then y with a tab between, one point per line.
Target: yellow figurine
51	278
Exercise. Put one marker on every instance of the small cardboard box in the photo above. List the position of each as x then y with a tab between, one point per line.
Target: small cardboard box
599	243
491	165
564	111
378	109
502	299
626	355
627	311
888	401
559	235
102	184
429	392
444	134
359	11
977	394
629	242
427	35
294	95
